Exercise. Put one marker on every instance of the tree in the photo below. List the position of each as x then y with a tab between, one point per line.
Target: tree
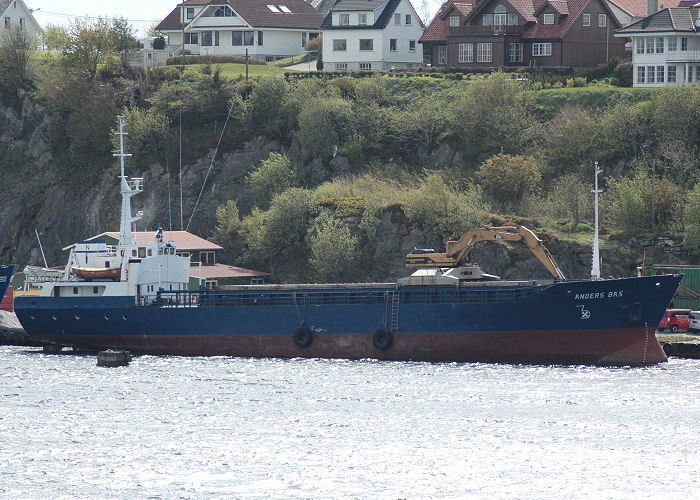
627	207
123	39
85	43
323	123
16	49
334	252
54	37
507	179
683	163
692	221
274	175
571	197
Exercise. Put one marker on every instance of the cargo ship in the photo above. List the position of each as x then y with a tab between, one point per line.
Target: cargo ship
135	297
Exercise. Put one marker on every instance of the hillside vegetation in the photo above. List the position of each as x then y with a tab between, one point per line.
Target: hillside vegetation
358	158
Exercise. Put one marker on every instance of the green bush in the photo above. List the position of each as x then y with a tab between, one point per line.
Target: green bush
334	253
274	175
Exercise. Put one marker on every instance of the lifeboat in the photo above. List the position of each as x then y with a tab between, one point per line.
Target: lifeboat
97	273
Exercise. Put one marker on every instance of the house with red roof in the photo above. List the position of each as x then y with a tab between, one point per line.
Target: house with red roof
263	30
534	33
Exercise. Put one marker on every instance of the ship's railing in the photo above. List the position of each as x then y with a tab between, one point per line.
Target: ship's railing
301	297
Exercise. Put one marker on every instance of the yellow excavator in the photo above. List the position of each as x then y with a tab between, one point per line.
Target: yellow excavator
457	250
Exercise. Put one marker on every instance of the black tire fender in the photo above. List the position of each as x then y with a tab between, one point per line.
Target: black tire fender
382	339
668	348
303	337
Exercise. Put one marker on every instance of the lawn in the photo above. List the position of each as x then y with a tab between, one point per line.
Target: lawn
233	70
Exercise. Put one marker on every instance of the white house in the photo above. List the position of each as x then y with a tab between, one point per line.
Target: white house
16	12
666	48
371	35
266	31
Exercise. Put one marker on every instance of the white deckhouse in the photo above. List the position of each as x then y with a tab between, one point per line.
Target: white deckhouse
264	30
666	47
371	35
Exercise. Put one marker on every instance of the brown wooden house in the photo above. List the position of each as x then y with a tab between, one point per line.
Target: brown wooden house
536	33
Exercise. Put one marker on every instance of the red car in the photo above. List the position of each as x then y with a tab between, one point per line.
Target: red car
674	320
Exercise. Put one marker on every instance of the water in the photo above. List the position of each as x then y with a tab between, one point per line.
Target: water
169	427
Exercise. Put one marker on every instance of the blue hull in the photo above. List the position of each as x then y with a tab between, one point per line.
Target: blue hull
6	274
599	322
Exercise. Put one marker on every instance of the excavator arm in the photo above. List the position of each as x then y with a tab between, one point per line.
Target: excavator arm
456	252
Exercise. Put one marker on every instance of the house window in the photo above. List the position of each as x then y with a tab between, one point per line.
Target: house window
697	73
236	38
397	19
367	44
273	9
672	45
650	45
362	19
549	18
660	74
7	22
684	43
640	74
207	258
454	21
487	20
260	38
392	44
344	19
248	38
192	38
499	17
515	52
303	39
207	39
651	74
285	9
512	19
21	21
190	12
659	45
224	12
671	76
442	55
542	49
365	66
466	53
602	20
341	66
339	45
585	19
483	52
408	19
412	45
639	45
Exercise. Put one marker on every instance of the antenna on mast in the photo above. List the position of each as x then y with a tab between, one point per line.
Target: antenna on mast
595	265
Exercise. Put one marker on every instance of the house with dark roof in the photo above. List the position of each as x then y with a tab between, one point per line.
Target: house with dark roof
371	35
262	29
535	33
665	47
16	13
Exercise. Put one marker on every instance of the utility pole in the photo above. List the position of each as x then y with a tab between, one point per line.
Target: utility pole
246	64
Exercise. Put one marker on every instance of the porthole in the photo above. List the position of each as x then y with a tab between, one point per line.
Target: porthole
54	317
31	316
77	317
124	317
107	317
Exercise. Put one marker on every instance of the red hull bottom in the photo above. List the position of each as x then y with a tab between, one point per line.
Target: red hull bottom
632	346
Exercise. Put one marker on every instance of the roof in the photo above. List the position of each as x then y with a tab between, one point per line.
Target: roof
381	22
675	19
561	25
439	28
221	271
3	5
255	13
356	5
184	241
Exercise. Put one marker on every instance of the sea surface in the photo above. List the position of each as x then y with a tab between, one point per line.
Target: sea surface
220	427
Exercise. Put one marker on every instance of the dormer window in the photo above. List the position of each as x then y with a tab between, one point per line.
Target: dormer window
499	16
344	19
362	19
548	18
602	20
487	20
512	19
454	21
190	12
224	12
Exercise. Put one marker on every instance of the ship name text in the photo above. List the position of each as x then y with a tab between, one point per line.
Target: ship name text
598	295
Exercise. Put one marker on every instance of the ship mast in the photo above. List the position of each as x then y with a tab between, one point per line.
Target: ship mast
595	265
129	188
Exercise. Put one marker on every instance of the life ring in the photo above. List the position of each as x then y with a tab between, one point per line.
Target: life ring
382	339
303	337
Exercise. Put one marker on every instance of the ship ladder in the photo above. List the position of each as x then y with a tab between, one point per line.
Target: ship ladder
394	312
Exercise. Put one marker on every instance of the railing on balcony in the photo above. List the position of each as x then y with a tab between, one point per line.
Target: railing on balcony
683	56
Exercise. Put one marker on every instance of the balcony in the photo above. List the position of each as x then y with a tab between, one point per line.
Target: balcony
691	56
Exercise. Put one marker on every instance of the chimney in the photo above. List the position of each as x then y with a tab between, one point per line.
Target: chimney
652	7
